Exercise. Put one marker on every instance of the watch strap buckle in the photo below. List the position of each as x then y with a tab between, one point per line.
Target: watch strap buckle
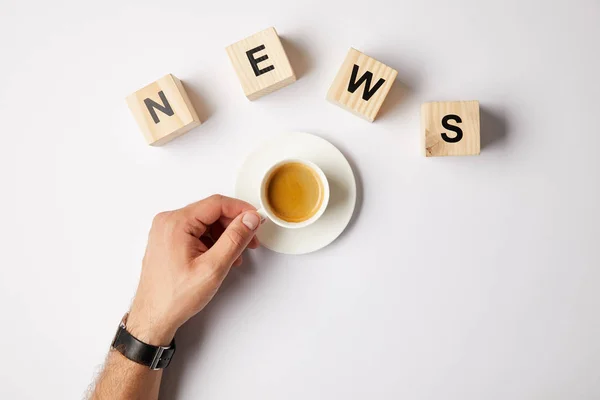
157	356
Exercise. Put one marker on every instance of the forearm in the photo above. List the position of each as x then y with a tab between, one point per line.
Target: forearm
123	379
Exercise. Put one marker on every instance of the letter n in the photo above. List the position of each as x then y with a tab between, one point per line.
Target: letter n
152	106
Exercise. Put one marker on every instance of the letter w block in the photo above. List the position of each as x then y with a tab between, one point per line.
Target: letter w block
163	110
361	85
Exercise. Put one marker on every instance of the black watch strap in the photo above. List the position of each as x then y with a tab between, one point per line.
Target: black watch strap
154	357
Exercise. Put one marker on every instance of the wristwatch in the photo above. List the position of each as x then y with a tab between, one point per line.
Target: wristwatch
154	357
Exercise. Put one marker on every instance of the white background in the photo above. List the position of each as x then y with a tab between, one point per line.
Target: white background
462	278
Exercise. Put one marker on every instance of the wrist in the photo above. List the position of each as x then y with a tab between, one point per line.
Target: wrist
147	329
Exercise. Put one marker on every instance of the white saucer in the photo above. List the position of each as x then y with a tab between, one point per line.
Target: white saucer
341	183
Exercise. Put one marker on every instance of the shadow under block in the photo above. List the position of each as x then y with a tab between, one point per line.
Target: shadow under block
361	85
450	128
261	64
163	110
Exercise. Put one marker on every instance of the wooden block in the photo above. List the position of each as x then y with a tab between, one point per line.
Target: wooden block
450	128
261	64
163	110
361	85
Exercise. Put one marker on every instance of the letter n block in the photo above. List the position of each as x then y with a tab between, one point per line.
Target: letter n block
450	128
163	110
361	85
261	64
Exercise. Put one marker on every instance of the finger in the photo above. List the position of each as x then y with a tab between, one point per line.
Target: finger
233	241
204	245
198	216
209	210
225	221
216	230
238	262
254	243
207	242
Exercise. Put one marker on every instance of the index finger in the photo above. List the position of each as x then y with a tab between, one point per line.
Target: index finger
208	211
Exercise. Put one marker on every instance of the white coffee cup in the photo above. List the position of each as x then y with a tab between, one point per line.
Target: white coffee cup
266	212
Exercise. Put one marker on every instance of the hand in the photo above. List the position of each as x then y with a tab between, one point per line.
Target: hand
189	254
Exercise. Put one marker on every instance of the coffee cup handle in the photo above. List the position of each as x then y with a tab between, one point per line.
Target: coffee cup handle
263	215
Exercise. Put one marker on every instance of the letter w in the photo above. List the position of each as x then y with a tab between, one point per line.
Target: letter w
367	76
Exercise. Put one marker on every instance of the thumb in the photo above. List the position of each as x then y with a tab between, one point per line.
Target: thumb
234	239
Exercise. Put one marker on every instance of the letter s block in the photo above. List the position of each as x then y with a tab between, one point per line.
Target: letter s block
163	110
361	85
450	128
261	64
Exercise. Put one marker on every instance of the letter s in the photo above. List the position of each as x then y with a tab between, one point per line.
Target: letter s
459	132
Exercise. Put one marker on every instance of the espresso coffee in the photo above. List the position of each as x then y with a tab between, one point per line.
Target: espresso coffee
294	192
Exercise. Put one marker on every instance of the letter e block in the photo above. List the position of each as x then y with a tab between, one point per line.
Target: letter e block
450	128
163	110
261	64
361	85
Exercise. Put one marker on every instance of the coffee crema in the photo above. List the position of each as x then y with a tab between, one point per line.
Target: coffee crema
294	192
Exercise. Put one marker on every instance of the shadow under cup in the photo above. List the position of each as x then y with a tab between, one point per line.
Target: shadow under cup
294	193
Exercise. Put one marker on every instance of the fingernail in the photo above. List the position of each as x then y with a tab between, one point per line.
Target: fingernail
251	220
